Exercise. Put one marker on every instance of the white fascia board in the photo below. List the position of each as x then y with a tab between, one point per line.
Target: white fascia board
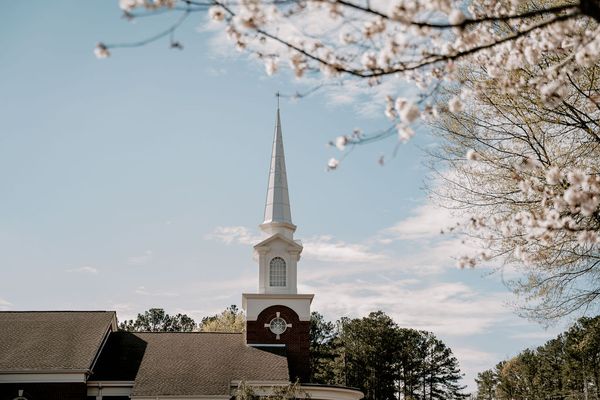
43	377
255	303
109	391
104	384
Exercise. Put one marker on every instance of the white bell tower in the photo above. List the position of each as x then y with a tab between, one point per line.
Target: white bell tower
277	314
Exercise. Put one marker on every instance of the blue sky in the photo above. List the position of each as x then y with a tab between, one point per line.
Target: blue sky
138	181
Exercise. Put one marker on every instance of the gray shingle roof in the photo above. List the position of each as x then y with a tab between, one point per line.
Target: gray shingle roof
202	364
51	340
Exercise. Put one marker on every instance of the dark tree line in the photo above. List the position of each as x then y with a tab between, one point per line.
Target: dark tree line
383	360
564	368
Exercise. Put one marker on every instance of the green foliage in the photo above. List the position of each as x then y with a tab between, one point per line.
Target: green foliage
324	344
230	320
156	320
383	360
245	391
567	367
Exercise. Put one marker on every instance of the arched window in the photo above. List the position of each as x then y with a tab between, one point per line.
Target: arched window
277	272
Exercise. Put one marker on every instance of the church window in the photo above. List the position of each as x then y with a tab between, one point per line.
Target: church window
277	273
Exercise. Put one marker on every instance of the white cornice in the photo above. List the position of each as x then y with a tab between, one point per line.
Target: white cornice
276	296
255	303
291	242
43	376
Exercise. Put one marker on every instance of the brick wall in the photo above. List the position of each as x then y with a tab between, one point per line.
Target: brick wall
296	339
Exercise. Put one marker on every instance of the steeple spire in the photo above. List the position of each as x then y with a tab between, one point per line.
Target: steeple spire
278	217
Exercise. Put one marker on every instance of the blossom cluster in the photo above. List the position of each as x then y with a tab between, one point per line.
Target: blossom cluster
420	41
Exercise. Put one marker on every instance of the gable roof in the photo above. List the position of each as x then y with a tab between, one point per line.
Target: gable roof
279	236
191	363
51	340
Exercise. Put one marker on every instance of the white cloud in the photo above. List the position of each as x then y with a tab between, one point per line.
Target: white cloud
449	308
142	259
427	222
326	248
321	248
542	335
234	234
144	292
87	269
4	304
472	361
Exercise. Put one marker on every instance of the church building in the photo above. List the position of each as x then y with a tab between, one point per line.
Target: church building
81	355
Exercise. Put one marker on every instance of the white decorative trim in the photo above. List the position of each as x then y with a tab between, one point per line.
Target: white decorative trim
255	303
109	330
110	383
42	377
109	388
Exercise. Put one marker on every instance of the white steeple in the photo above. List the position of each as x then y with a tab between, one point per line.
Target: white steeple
278	217
277	255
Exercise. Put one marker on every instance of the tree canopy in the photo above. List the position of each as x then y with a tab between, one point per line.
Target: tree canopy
567	367
529	185
157	320
231	319
383	360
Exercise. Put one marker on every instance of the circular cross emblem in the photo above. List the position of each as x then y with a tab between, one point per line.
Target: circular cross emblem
278	325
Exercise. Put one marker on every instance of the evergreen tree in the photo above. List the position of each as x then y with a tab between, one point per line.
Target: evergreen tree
157	320
487	382
567	367
384	360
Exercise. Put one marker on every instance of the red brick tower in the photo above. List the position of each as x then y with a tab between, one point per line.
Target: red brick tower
277	316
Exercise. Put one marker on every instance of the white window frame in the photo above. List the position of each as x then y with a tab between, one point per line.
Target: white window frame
285	273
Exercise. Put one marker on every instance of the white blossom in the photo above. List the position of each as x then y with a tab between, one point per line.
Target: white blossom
455	105
553	176
332	163
472	155
456	17
271	66
407	111
341	142
405	133
369	60
101	51
216	13
587	237
576	177
553	92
